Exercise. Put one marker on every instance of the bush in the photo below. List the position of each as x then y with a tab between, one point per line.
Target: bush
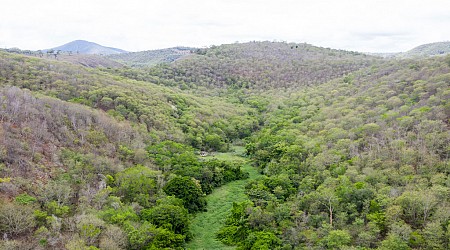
113	238
337	239
189	191
25	199
137	184
89	228
16	219
262	240
171	217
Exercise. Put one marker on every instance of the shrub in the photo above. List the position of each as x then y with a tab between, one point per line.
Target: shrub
16	219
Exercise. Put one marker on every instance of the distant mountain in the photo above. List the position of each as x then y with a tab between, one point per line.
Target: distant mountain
429	49
151	57
85	47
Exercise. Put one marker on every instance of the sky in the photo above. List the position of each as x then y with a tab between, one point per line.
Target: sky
136	25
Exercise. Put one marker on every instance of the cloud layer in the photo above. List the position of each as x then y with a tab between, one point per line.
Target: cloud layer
369	25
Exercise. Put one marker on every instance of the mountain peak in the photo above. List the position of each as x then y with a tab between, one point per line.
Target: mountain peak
86	47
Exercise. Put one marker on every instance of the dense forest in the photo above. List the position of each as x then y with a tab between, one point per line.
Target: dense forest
352	149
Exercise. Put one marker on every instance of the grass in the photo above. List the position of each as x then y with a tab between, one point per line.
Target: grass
205	225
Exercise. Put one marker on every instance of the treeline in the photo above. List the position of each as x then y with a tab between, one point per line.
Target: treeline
361	162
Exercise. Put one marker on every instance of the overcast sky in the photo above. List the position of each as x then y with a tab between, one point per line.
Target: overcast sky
135	25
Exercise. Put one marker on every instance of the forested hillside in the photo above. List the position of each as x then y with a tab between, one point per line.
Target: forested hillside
84	152
430	49
360	161
151	57
264	65
353	149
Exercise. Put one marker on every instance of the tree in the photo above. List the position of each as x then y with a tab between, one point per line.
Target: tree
328	198
337	238
417	206
189	191
168	216
261	240
16	219
137	184
237	228
394	242
434	236
89	228
113	238
214	142
147	236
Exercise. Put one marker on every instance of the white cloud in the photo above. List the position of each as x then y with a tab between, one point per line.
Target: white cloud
369	25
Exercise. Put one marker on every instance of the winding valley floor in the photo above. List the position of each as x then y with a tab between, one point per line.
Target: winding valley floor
205	225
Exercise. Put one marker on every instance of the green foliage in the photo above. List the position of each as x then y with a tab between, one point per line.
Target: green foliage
189	191
337	238
261	240
214	173
236	230
214	142
119	215
125	152
147	236
170	154
25	199
182	160
170	217
394	242
352	162
89	228
205	226
136	184
53	208
353	149
379	218
40	216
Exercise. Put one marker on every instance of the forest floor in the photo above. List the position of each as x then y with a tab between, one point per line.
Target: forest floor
205	225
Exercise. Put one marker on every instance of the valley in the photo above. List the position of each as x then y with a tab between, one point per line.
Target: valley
258	145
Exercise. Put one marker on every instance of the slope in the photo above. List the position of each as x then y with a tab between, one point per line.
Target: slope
361	161
426	50
263	65
162	112
151	57
77	149
355	155
87	60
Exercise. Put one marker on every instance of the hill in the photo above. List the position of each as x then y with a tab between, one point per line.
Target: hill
151	57
65	129
263	65
355	163
352	150
430	49
85	47
87	60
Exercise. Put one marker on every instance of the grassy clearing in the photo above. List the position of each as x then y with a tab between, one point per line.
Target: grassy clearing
205	225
